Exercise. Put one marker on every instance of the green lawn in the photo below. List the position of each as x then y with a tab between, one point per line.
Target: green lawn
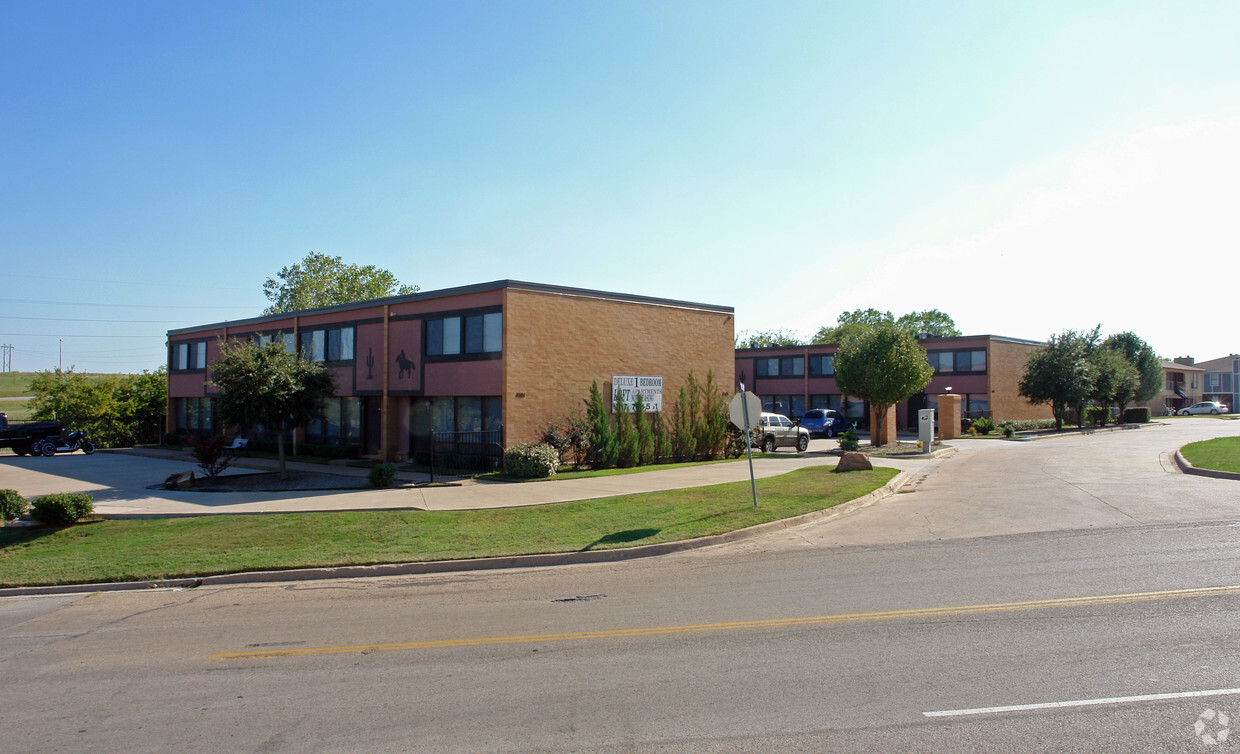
1222	454
141	550
17	411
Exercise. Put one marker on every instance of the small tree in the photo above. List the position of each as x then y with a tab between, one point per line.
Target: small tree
1113	379
712	426
644	432
883	365
1058	374
269	386
1145	363
604	450
626	434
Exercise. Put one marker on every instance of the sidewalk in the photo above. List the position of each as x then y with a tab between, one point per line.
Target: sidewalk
458	495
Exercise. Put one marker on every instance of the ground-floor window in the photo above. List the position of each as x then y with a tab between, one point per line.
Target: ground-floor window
341	423
467	429
850	408
791	406
195	416
975	405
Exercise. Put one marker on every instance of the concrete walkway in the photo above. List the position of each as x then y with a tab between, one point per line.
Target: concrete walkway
119	482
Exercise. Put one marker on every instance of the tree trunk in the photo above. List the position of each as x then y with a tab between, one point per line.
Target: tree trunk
280	452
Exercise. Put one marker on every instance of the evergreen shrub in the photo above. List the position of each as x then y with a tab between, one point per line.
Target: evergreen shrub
1138	415
12	505
381	475
62	509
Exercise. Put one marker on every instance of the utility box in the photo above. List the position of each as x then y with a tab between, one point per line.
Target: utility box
925	428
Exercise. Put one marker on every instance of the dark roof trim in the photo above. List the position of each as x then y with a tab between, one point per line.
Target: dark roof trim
923	341
458	291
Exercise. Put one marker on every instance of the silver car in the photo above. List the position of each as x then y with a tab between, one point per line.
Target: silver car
778	431
1204	407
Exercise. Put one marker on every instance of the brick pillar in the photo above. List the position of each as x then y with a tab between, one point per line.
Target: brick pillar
949	416
886	433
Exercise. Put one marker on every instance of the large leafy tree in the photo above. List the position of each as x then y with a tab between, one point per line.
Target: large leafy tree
1148	367
320	280
765	338
268	386
928	322
883	365
113	410
1112	376
1059	374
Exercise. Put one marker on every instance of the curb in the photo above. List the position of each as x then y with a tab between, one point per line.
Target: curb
479	564
1188	468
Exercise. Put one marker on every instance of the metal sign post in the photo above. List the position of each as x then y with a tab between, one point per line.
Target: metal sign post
741	409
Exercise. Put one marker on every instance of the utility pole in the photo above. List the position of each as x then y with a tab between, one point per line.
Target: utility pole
6	364
60	363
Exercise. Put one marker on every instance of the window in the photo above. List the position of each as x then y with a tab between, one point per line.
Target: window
788	405
970	361
341	423
822	366
947	362
1192	382
195	416
181	359
781	366
200	355
188	356
335	344
941	361
477	334
831	401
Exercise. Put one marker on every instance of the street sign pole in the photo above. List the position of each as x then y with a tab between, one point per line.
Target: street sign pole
753	485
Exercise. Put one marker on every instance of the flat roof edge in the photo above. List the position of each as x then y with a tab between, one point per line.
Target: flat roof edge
455	291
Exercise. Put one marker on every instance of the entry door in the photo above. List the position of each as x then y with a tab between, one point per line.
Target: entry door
915	404
373	424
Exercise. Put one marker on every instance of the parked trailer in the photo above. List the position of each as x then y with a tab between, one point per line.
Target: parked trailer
29	438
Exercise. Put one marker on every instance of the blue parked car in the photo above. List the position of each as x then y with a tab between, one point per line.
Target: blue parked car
824	421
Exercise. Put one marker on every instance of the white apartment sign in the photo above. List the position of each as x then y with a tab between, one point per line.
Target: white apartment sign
628	387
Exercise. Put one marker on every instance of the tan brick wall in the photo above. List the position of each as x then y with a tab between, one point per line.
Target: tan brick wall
555	345
1005	365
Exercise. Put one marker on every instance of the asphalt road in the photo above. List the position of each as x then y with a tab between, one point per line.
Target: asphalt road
790	642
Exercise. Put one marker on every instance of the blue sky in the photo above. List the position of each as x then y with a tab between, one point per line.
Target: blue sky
1025	167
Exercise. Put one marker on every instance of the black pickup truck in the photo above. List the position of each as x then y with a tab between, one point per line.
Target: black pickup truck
29	438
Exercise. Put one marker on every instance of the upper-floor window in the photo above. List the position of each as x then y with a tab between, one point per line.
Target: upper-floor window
329	344
822	366
470	334
187	356
968	361
279	337
779	366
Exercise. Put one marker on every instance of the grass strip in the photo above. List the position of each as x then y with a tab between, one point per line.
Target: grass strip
151	549
1221	454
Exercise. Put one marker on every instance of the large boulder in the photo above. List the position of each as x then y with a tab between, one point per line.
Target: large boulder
854	461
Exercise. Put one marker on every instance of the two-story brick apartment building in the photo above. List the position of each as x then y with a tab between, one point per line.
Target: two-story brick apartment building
500	358
984	370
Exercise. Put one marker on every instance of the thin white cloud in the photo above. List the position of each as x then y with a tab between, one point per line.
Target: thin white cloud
1141	235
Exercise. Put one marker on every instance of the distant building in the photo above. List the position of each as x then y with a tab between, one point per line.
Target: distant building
1181	387
1221	381
984	370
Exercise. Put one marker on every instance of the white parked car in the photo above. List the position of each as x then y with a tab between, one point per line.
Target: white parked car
779	431
1205	407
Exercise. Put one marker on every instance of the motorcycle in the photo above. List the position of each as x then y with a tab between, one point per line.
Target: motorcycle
75	440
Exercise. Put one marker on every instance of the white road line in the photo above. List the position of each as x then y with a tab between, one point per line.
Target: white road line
1080	703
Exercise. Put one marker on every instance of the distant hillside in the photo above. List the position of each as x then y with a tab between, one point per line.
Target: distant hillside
15	384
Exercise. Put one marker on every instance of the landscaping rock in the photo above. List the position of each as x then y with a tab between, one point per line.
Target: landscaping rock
179	481
854	461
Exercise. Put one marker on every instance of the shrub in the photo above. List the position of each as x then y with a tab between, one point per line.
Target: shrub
173	439
1097	414
1027	425
531	461
984	425
62	509
209	452
1139	415
12	505
1008	430
849	441
381	475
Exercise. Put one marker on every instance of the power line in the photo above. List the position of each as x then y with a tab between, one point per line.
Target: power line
132	306
128	321
46	335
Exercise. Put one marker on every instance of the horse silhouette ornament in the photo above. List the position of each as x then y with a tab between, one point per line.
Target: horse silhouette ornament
405	366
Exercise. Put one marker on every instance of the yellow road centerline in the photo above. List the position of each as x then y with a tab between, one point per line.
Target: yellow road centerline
750	625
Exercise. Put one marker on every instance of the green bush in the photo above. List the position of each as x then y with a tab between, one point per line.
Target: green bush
849	441
1008	431
1139	415
381	475
531	461
1028	425
1097	415
12	505
62	509
984	425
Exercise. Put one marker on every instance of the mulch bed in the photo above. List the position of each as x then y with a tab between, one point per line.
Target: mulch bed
272	482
